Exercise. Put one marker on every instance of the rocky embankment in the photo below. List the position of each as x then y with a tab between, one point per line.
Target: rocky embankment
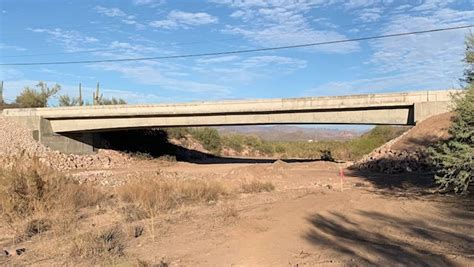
407	153
17	143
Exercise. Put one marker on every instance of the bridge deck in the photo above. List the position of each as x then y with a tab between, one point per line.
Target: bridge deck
241	106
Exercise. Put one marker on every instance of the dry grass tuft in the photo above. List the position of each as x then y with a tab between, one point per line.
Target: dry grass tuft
136	231
153	196
256	186
230	213
37	226
105	245
131	213
28	190
142	263
168	158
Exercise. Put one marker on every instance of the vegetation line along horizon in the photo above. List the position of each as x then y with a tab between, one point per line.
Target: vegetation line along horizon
239	51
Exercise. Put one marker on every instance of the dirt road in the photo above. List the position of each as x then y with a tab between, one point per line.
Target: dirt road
312	218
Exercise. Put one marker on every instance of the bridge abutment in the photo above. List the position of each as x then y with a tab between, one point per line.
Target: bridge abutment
69	143
425	110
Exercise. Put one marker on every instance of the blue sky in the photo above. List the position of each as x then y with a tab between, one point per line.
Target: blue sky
47	30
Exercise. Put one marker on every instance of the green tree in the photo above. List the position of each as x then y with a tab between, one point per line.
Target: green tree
209	138
469	60
35	98
453	159
112	101
66	101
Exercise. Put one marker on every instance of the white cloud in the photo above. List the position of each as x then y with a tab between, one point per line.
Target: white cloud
11	47
216	59
428	5
152	74
325	22
110	11
424	61
118	13
152	3
353	4
403	7
234	69
9	73
443	50
63	75
179	19
389	83
273	3
71	40
273	61
165	24
370	14
116	50
281	23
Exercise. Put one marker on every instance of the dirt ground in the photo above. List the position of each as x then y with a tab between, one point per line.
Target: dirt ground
313	217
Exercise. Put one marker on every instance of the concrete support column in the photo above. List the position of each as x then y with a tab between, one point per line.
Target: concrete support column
72	143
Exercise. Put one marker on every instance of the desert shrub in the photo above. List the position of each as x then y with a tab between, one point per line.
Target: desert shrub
233	141
251	140
107	244
209	138
112	101
169	158
178	132
376	137
238	142
279	149
140	155
345	150
28	189
453	160
67	101
265	147
256	186
154	196
326	155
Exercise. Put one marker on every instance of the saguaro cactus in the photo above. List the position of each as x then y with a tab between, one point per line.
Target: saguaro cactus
97	96
1	93
79	100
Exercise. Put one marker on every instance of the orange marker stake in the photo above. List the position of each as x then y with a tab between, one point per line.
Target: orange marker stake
341	175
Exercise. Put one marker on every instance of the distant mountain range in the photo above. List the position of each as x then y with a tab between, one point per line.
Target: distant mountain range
291	133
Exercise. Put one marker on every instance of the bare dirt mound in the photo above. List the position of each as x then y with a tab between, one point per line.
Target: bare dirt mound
407	153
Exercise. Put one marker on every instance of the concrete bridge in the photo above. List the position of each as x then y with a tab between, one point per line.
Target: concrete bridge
77	129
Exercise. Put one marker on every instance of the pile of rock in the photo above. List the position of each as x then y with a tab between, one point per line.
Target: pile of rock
386	160
17	143
407	153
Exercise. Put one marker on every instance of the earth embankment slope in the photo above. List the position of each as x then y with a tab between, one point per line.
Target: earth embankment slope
407	153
